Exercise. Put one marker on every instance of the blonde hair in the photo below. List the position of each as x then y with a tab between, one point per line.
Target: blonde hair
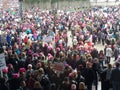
82	86
37	84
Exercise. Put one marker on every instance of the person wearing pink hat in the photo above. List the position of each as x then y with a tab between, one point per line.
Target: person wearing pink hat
15	75
57	49
30	69
73	87
22	70
14	82
5	70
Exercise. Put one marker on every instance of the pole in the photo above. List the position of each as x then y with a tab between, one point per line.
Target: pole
56	4
20	8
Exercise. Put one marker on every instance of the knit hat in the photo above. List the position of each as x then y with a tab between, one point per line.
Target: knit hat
57	49
29	51
15	75
118	58
45	45
71	75
22	70
67	65
50	57
49	48
10	66
35	55
73	87
29	65
41	54
5	70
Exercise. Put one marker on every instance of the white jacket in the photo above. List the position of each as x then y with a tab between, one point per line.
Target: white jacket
108	52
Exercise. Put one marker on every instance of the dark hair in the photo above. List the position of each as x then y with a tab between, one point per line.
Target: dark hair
117	64
1	50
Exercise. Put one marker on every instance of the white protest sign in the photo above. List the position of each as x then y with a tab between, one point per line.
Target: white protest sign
58	67
47	39
6	4
2	61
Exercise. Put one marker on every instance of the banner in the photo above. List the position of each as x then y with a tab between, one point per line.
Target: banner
7	4
2	61
58	67
47	39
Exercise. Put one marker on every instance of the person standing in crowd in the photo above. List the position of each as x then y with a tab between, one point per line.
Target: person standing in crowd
3	85
82	86
94	53
66	84
108	54
22	86
101	58
103	36
89	76
115	77
79	79
37	86
97	71
106	78
116	52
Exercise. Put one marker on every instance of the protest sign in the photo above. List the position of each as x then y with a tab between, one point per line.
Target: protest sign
7	4
2	61
58	67
47	39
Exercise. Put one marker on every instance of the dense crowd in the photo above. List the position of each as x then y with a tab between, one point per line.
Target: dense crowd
39	57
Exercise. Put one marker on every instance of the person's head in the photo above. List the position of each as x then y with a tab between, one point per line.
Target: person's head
117	65
89	59
109	66
29	66
22	84
82	86
101	51
96	60
66	80
73	87
79	73
88	65
37	84
53	86
36	73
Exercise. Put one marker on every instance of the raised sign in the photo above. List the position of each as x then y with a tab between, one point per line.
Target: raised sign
6	4
2	61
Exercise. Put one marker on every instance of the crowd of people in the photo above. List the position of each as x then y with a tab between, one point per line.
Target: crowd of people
39	57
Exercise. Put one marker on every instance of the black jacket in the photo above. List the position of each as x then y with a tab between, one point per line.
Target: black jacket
115	75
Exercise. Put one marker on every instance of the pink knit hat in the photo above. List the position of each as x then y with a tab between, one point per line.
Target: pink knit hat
118	58
73	87
49	48
45	45
67	65
5	70
57	49
15	75
50	57
35	55
10	66
41	54
22	70
30	51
